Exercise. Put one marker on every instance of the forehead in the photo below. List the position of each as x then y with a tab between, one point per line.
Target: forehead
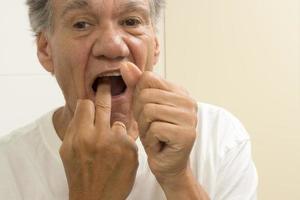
64	6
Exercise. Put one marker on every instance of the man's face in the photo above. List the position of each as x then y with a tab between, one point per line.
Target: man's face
93	38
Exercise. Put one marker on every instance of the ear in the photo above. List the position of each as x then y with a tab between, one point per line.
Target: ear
44	52
156	50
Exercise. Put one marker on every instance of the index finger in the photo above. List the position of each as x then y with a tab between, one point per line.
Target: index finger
152	80
103	104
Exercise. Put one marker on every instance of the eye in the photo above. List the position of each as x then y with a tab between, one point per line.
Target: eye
81	25
131	22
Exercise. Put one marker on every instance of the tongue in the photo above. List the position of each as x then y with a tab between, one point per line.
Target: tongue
117	85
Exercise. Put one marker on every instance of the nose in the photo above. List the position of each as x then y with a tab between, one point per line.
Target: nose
110	44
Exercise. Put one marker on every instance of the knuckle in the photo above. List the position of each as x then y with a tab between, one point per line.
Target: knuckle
191	118
131	155
154	128
119	127
148	112
147	75
76	144
100	104
128	146
108	149
149	108
191	136
83	141
142	81
87	142
192	105
63	151
146	78
84	104
145	94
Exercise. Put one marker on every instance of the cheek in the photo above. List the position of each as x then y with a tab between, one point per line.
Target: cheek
71	55
69	67
141	49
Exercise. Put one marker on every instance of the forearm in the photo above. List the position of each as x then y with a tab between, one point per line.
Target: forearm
184	187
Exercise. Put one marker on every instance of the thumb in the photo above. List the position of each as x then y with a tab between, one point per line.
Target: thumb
130	74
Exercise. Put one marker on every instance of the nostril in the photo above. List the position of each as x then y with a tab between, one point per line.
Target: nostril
111	59
119	58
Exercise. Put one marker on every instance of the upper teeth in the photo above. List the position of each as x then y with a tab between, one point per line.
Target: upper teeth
111	74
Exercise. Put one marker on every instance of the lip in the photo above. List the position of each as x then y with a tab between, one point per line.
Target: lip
91	82
101	69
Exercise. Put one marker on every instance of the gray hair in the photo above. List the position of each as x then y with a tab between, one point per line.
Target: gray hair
41	13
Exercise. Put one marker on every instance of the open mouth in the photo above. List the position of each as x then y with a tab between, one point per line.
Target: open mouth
117	84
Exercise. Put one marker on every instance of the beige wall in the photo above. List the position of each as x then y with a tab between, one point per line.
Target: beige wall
245	56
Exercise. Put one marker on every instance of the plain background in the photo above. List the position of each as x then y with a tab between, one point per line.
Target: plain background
241	55
245	56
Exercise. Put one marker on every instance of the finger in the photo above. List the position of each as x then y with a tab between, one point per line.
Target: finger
173	115
157	96
103	104
118	127
165	132
161	134
169	134
131	74
84	113
133	130
152	80
83	118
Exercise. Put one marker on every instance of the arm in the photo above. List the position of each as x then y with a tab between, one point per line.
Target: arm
167	120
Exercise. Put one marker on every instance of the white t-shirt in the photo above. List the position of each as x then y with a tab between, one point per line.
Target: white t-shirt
31	168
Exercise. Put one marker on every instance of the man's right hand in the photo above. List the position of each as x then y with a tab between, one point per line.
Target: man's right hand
100	160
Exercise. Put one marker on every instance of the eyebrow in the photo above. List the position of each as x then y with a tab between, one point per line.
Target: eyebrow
127	7
134	6
74	5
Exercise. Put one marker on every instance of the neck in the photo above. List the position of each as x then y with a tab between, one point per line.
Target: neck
61	120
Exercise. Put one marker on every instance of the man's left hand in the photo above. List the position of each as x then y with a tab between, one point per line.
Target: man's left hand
167	120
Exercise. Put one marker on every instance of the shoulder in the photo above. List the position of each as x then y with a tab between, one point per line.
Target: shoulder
21	154
222	147
220	128
13	153
15	138
19	140
223	152
21	146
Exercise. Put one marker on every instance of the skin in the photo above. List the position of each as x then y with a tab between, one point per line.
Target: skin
99	131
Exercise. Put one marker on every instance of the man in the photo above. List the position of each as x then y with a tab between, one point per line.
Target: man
123	131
